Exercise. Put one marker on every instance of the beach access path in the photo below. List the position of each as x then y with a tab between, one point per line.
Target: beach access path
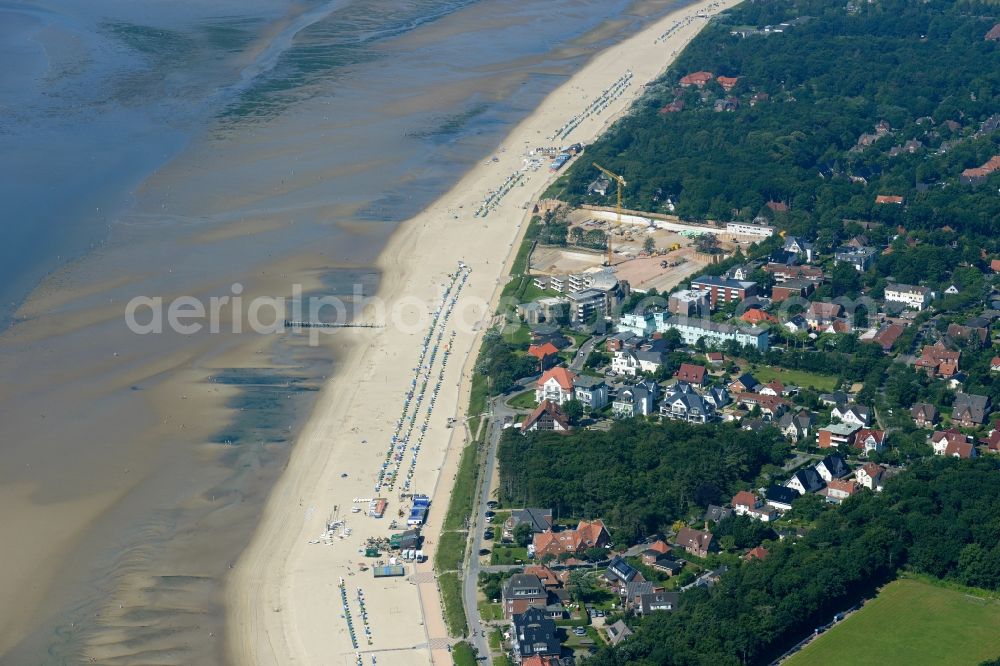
284	604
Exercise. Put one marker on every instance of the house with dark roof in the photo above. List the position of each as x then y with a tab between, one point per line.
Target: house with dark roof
618	632
592	392
651	602
970	409
924	414
869	440
533	634
780	497
716	513
695	542
805	481
521	592
832	467
745	383
540	520
686	405
635	400
620	572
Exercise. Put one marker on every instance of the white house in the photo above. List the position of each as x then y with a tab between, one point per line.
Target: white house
871	476
642	324
636	400
909	295
556	385
856	415
625	362
748	229
590	391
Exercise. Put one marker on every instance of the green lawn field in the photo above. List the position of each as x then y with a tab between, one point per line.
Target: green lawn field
799	378
911	622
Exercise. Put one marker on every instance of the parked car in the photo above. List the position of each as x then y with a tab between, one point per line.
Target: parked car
484	551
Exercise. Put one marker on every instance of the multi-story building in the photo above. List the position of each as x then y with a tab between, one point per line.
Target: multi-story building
722	290
714	334
858	257
909	295
587	304
689	303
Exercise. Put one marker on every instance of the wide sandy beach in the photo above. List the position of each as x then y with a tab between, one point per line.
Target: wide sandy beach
284	598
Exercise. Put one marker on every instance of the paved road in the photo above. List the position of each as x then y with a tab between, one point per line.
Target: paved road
583	352
477	526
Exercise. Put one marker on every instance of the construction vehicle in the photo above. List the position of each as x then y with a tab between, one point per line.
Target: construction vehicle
675	246
618	207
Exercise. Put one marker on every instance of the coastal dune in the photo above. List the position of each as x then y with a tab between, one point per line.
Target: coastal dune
284	597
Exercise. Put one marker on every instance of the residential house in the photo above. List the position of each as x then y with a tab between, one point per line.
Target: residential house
533	634
546	417
521	592
852	414
977	336
618	632
798	246
588	534
771	407
556	385
691	373
619	573
773	387
805	481
871	476
837	435
859	258
870	440
757	316
969	409
758	553
796	324
942	440
739	272
540	520
995	364
635	400
834	399
696	79
797	426
727	82
820	314
938	360
992	440
911	296
837	490
784	272
723	291
716	513
686	405
650	602
796	287
882	199
780	497
716	396
716	358
832	467
746	503
695	542
546	353
745	383
886	335
924	414
639	323
592	392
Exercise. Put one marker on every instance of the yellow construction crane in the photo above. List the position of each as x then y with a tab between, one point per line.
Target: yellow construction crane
618	208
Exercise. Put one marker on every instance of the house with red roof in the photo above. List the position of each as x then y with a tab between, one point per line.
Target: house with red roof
697	79
995	364
951	442
938	360
690	373
756	316
837	490
727	82
869	440
758	553
588	534
889	199
546	353
556	385
871	476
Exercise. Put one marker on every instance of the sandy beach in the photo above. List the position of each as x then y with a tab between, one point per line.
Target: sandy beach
284	597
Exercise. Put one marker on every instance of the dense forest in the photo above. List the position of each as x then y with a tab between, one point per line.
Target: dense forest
940	518
804	98
639	477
